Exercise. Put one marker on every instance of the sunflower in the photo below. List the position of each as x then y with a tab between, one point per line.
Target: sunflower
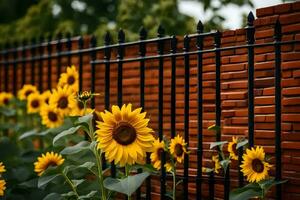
34	102
77	109
46	96
70	78
26	91
178	148
2	187
158	148
51	117
217	164
62	99
124	135
2	168
232	148
46	160
254	165
5	97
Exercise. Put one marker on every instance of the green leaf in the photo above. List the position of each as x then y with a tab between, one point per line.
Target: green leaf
8	112
224	164
145	167
207	170
214	128
242	143
44	180
83	145
69	194
87	165
77	182
127	185
249	191
86	119
268	183
215	144
30	184
53	196
28	134
70	131
89	195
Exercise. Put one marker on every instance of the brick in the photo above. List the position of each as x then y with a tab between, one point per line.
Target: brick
264	33
291	65
291	101
296	6
283	8
291	117
265	11
290	18
291	28
291	91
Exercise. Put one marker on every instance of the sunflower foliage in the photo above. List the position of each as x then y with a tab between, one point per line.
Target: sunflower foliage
255	166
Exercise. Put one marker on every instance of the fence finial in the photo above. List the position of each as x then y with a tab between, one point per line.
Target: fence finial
200	27
186	43
80	42
143	33
277	30
121	36
250	19
93	41
107	38
160	31
217	38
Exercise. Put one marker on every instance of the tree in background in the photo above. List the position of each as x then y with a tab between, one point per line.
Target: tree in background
31	18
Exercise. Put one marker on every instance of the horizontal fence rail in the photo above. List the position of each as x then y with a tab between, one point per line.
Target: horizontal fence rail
45	53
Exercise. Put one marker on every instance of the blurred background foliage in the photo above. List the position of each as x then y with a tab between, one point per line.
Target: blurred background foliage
24	19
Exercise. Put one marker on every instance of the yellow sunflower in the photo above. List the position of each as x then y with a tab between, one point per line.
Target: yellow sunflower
51	117
26	91
5	97
2	168
217	164
254	165
124	135
232	148
77	109
34	102
70	78
47	160
62	99
46	96
158	148
178	148
2	187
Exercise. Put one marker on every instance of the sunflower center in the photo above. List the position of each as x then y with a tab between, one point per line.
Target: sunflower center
35	103
52	116
28	92
6	101
51	163
257	165
124	133
178	150
80	105
234	149
71	80
47	100
63	102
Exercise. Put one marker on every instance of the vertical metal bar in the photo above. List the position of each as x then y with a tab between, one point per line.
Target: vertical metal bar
107	55
211	186
199	44
6	67
49	51
142	52
160	48
41	52
186	44
1	77
218	83
80	47
24	43
58	50
32	55
173	86
93	43
69	48
277	37
15	77
121	39
250	40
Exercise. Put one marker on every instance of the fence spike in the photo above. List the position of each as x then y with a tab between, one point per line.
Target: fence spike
186	42
217	39
107	38
250	19
80	42
277	30
173	43
121	36
200	27
93	41
160	31
143	33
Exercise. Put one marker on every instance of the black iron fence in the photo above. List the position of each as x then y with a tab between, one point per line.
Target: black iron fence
10	58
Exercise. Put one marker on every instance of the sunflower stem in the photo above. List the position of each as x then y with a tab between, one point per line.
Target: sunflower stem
100	175
174	183
127	169
71	184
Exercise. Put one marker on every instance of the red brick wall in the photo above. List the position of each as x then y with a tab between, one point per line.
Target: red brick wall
233	93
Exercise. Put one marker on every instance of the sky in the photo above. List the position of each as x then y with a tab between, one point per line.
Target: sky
232	13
